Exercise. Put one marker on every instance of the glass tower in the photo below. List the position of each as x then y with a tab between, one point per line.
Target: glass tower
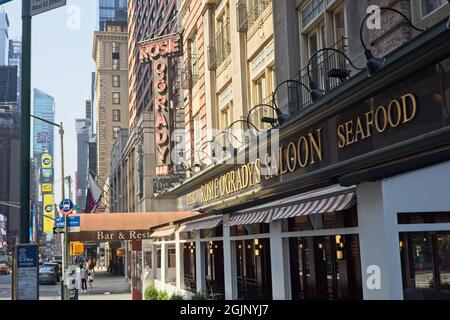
112	10
43	133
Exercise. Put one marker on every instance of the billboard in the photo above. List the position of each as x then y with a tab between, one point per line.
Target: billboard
46	161
49	212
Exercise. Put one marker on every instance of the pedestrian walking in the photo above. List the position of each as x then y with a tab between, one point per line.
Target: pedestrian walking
84	278
90	278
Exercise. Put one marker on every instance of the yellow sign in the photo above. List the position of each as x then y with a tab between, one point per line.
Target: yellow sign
46	162
76	248
49	212
47	187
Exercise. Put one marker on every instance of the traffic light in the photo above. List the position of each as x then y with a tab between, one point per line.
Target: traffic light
76	248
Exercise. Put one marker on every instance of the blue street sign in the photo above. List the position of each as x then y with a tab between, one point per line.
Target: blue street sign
73	222
4	1
27	256
66	206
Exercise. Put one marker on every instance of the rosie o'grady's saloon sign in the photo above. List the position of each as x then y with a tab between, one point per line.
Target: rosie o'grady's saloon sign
158	51
325	144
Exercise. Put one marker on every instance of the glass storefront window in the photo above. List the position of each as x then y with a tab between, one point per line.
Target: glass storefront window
250	229
189	266
425	259
342	219
443	255
253	269
212	233
214	266
325	267
425	217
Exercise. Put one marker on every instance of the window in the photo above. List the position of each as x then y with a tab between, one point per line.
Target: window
193	59
116	64
325	267
425	260
429	6
225	117
339	24
116	97
116	81
116	115
115	47
262	90
197	138
116	131
313	9
171	257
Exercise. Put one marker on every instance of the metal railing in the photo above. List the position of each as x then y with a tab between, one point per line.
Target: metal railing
247	14
219	48
190	72
323	70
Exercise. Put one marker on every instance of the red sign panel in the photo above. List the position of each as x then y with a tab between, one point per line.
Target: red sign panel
159	50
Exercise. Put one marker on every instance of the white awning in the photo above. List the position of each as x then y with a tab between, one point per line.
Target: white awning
202	225
163	232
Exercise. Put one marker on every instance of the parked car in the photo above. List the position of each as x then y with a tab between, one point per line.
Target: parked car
47	275
56	267
4	267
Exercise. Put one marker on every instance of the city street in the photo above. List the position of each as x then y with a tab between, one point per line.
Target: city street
106	287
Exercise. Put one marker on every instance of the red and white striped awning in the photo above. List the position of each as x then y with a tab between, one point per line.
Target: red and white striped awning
202	225
261	216
327	200
325	205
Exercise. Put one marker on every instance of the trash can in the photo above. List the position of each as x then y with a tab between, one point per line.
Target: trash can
73	282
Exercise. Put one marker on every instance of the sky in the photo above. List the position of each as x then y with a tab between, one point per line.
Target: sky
61	66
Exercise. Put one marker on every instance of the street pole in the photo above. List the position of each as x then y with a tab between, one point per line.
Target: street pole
25	125
66	224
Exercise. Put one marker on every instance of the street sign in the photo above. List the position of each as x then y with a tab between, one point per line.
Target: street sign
26	280
40	6
58	230
73	221
4	1
66	207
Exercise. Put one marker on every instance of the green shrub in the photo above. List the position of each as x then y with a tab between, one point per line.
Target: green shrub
162	295
199	295
177	296
151	293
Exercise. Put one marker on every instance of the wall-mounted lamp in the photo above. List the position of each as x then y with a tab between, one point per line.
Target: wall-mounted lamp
249	125
339	73
280	119
375	64
288	82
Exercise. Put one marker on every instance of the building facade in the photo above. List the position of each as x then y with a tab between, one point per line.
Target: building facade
15	59
111	92
112	11
339	191
4	26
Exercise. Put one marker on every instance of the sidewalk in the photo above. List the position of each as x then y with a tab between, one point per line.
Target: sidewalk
105	283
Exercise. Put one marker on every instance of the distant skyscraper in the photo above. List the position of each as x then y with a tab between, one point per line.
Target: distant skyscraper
43	133
4	25
83	131
112	10
14	59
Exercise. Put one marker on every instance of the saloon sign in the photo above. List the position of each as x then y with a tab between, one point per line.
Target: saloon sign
158	51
